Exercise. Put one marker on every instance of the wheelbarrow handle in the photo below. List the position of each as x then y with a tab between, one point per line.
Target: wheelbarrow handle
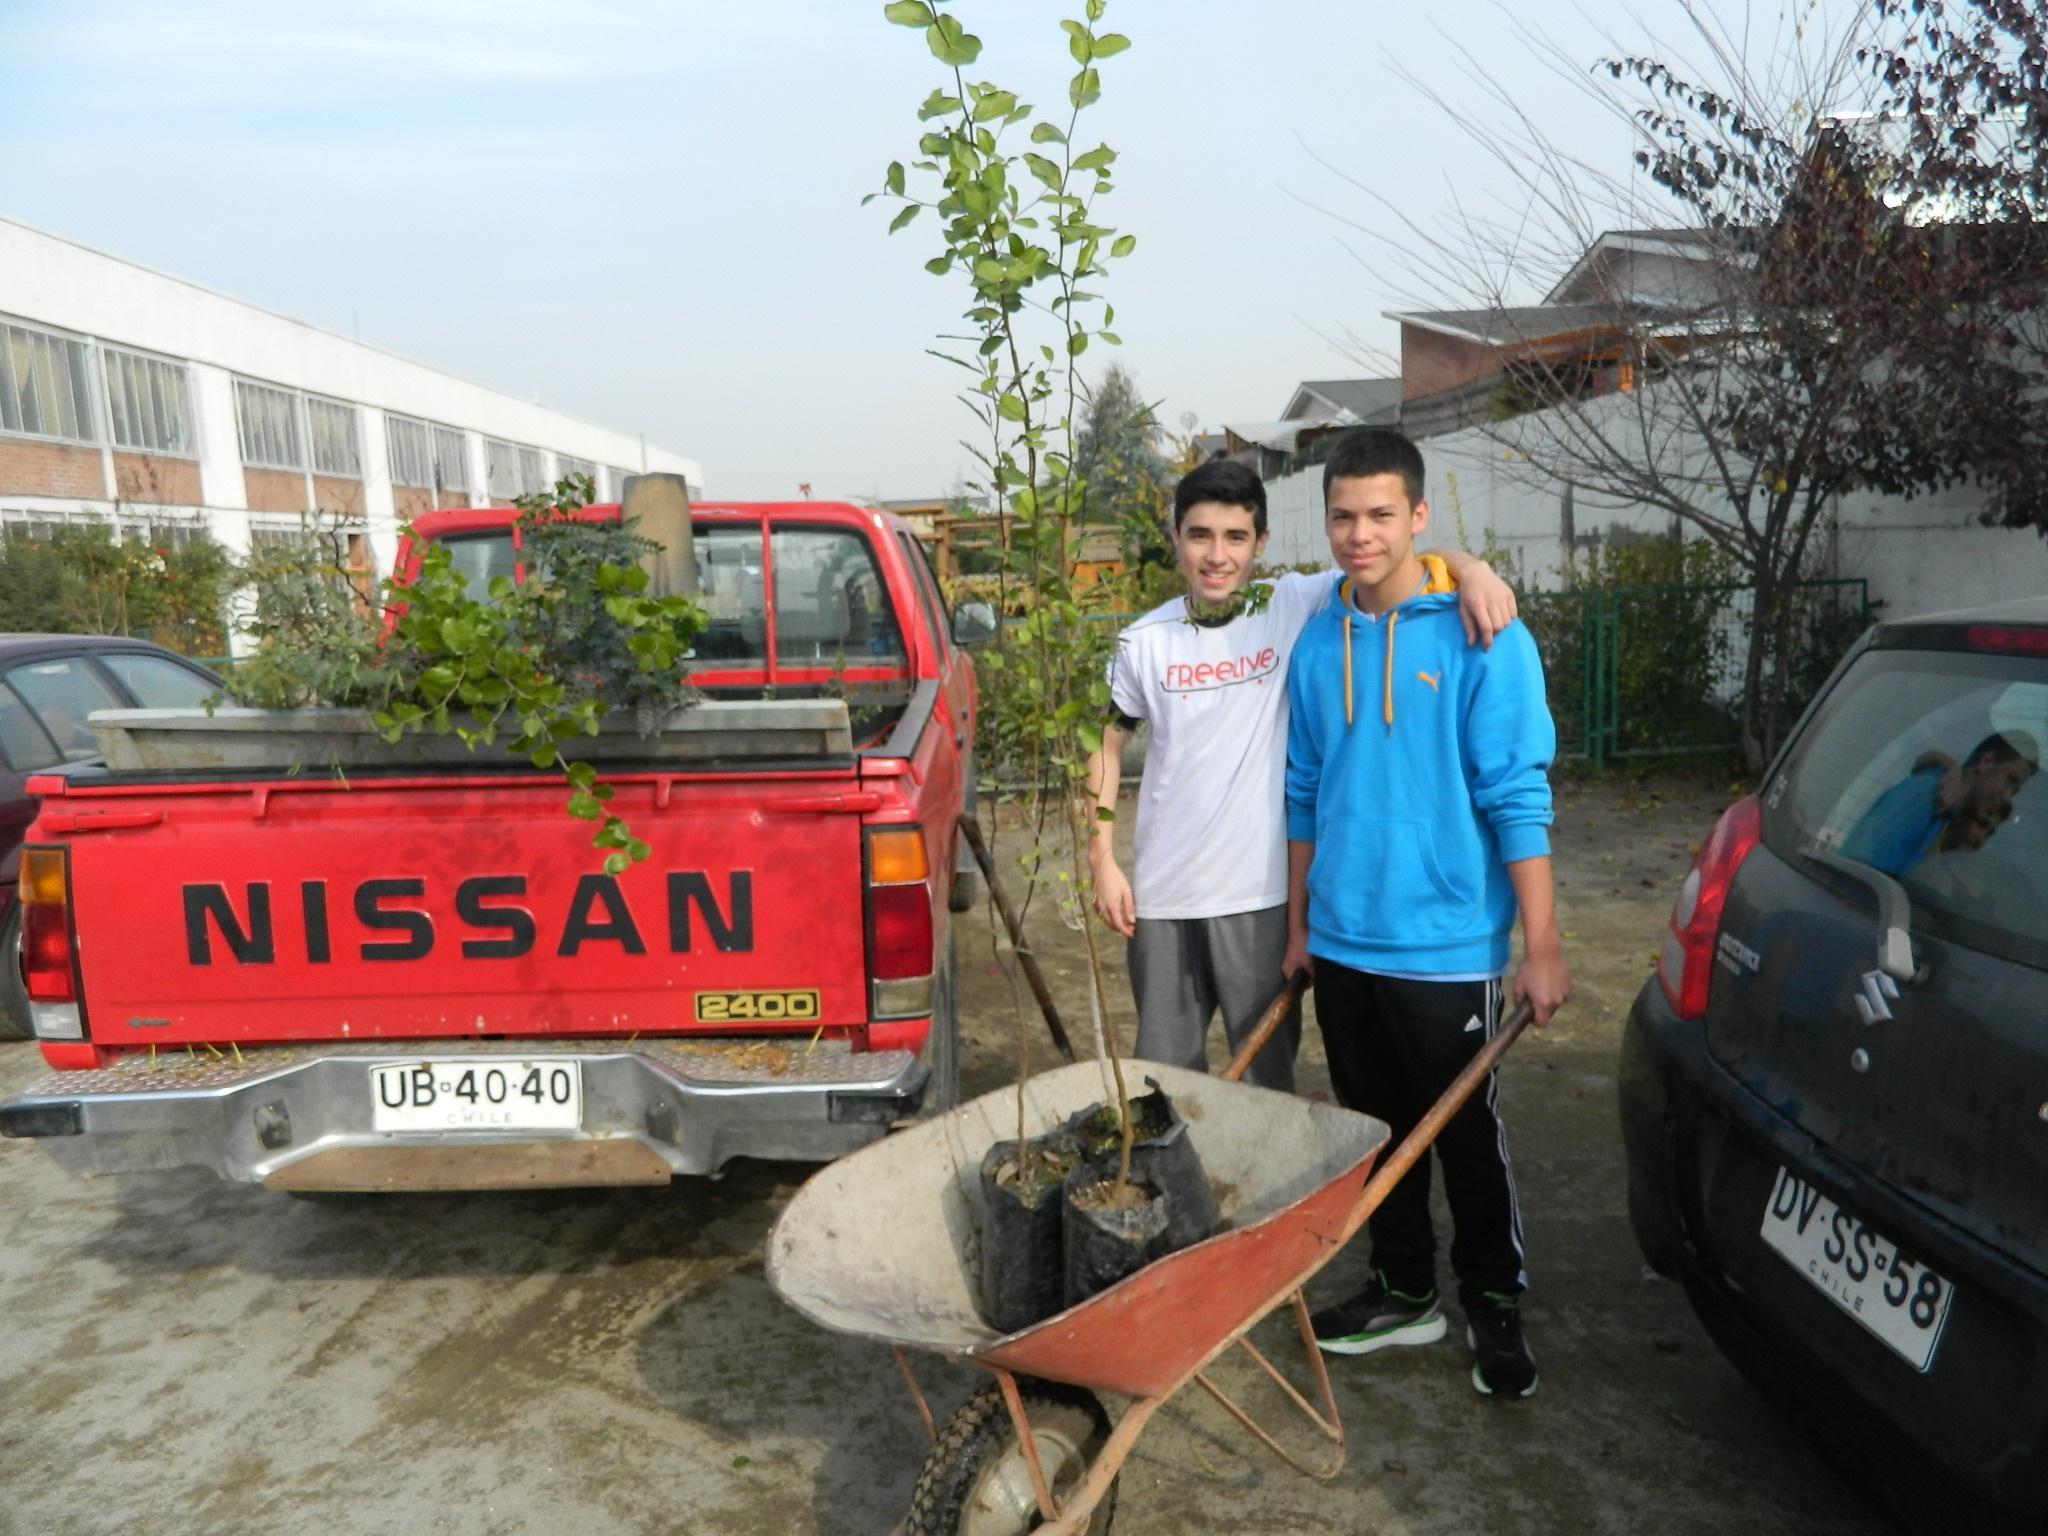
1439	1114
1290	994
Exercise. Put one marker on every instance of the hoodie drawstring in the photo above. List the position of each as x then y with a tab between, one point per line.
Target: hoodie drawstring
1387	685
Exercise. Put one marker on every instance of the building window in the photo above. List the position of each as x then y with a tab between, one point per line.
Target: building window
45	385
163	532
618	482
501	470
24	523
337	450
565	466
149	404
269	423
451	460
411	453
533	472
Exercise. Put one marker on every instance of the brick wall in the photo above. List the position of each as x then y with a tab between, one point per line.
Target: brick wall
50	469
145	477
1432	362
275	490
409	501
448	500
343	497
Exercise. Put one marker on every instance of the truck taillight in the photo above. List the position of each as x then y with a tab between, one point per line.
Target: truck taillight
899	924
49	970
1686	964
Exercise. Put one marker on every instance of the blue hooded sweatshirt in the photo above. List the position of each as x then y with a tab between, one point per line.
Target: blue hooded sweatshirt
1419	767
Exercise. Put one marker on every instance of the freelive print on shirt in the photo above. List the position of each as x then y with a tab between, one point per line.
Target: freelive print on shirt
1211	834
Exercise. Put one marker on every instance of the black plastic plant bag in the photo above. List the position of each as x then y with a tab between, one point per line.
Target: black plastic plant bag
1164	1154
1105	1245
1021	1278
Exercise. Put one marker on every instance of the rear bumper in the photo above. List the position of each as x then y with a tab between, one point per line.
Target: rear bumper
1963	1447
301	1117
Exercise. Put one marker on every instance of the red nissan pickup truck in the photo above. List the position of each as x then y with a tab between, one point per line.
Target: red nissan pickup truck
419	977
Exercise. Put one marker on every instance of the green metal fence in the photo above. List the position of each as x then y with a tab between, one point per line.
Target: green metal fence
1654	671
1636	672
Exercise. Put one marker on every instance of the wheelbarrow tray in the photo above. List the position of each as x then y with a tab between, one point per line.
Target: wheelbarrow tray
881	1244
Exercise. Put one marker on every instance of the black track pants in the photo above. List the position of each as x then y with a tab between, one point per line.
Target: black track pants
1394	1047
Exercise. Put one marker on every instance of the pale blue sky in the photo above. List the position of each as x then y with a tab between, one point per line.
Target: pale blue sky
650	213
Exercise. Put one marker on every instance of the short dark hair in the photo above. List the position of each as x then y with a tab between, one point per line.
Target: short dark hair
1225	481
2004	747
1374	451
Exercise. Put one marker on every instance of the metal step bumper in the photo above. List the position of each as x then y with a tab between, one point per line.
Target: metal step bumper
302	1116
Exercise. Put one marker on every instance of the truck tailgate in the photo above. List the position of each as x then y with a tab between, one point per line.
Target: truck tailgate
471	908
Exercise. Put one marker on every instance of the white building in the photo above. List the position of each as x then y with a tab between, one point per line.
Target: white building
133	398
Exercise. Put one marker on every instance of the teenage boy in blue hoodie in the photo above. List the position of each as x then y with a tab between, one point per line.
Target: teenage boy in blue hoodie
1418	808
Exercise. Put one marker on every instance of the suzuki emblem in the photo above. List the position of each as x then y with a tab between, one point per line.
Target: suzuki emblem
1871	1002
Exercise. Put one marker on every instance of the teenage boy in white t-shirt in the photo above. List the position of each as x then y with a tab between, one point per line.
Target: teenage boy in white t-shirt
1206	915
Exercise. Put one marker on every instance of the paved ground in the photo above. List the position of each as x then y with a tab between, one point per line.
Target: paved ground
184	1356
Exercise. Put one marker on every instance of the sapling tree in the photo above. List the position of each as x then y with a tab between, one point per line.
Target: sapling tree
1018	204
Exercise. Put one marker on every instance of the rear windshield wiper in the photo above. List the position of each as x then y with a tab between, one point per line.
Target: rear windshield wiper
1894	912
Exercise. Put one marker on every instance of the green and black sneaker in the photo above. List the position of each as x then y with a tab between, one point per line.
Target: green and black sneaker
1378	1317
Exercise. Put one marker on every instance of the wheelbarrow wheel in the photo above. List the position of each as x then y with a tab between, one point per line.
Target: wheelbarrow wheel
976	1481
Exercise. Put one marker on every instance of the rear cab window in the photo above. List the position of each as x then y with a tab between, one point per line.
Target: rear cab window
832	608
1924	764
480	558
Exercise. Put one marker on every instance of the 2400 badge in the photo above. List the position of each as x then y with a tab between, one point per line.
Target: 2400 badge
798	1006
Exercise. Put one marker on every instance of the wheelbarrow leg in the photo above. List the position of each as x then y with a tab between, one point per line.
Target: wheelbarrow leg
1327	1419
924	1409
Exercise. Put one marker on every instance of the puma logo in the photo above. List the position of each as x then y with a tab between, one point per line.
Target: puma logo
1430	680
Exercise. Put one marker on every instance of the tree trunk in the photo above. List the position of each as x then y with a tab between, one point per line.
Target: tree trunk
1755	709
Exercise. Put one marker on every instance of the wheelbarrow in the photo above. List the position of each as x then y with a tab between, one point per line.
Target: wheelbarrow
879	1244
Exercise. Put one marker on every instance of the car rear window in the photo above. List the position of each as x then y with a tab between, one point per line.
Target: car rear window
1924	764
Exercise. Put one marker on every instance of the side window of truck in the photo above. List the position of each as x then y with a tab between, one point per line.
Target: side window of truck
830	603
928	594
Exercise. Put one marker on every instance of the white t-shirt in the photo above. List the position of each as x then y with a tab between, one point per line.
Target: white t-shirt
1212	813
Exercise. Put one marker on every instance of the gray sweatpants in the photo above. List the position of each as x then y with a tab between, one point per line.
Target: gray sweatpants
1184	968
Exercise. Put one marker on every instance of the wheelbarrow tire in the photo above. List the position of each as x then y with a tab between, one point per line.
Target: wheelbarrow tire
976	1481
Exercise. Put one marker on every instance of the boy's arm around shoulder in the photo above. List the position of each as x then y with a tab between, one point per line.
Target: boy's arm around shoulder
1510	743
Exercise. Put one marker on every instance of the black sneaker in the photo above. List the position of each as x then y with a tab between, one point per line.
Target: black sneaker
1502	1365
1377	1317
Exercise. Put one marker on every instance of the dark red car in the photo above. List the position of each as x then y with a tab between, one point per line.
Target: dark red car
48	685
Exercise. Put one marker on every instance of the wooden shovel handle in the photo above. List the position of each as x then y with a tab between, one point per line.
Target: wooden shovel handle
1263	1030
1438	1115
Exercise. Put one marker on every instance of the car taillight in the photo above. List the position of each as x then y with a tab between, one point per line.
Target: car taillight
2013	639
48	963
1686	963
899	924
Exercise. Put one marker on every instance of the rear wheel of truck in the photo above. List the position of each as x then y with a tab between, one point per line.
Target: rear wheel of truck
14	1018
976	1481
